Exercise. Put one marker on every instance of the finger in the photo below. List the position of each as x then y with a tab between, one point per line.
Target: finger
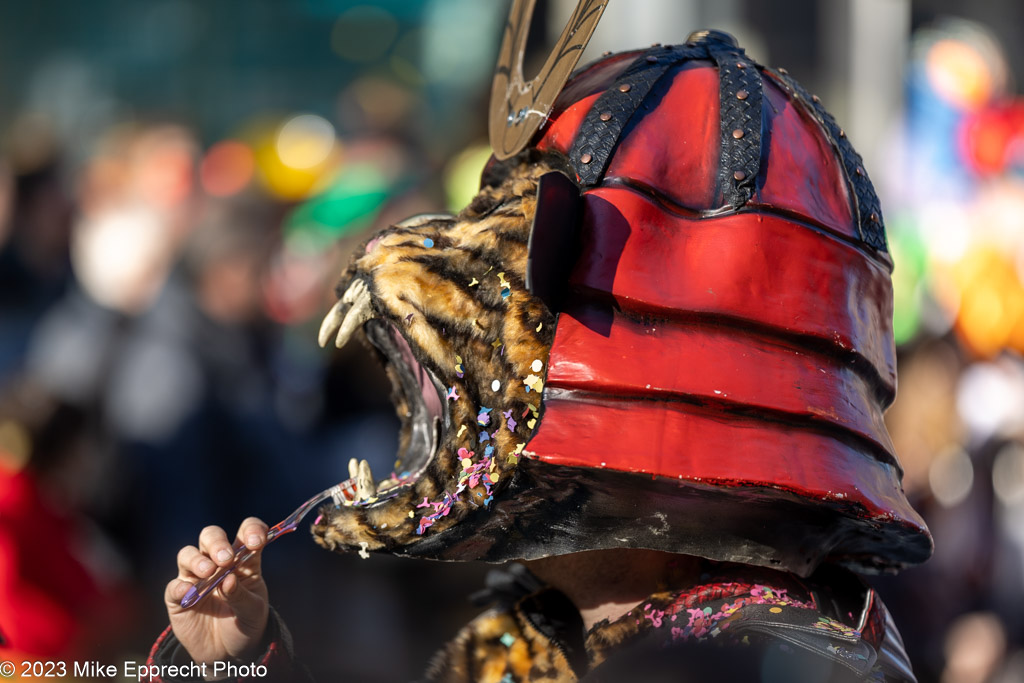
192	563
174	592
250	608
214	542
253	533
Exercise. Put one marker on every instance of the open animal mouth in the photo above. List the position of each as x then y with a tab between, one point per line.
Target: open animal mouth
418	394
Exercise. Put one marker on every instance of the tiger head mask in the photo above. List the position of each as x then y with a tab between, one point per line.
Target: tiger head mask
640	333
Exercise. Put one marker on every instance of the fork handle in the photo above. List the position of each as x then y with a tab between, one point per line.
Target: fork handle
242	553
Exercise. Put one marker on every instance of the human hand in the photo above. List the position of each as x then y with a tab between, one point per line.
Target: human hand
229	624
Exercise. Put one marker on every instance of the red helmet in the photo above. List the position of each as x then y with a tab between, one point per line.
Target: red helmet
723	351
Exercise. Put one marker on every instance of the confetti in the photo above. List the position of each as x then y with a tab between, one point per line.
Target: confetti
496	343
317	520
505	293
484	417
534	382
503	282
488	451
363	545
466	463
412	514
540	326
459	370
428	243
519	448
474	282
531	423
484	436
510	421
507	639
461	430
425	503
537	366
452	395
495	385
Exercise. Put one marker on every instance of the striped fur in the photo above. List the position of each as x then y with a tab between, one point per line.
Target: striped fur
447	301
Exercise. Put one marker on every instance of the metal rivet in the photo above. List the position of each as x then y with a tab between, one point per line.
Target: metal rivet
605	116
739	175
625	87
738	133
783	72
586	158
741	65
842	133
651	59
859	171
815	98
742	95
874	217
655	44
606	53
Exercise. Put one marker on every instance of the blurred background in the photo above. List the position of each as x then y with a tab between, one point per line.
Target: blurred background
181	182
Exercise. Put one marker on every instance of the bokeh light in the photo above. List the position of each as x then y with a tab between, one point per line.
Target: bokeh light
305	141
227	168
951	476
462	175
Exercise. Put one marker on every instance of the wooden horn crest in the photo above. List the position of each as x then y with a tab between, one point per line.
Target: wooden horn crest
518	106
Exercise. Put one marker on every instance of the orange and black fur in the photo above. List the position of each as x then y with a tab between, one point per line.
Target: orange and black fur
454	289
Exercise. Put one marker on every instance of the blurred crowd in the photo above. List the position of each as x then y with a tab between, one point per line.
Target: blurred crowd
159	370
159	299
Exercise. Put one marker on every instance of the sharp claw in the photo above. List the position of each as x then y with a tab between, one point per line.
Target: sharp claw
360	310
330	325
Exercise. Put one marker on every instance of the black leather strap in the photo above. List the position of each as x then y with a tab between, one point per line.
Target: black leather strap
866	206
740	113
602	128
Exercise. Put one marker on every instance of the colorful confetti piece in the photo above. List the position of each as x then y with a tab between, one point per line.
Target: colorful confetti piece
537	366
428	243
452	395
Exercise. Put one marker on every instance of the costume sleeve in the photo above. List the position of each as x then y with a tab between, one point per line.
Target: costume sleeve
168	657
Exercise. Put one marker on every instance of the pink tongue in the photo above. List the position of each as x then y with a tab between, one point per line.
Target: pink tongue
430	396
